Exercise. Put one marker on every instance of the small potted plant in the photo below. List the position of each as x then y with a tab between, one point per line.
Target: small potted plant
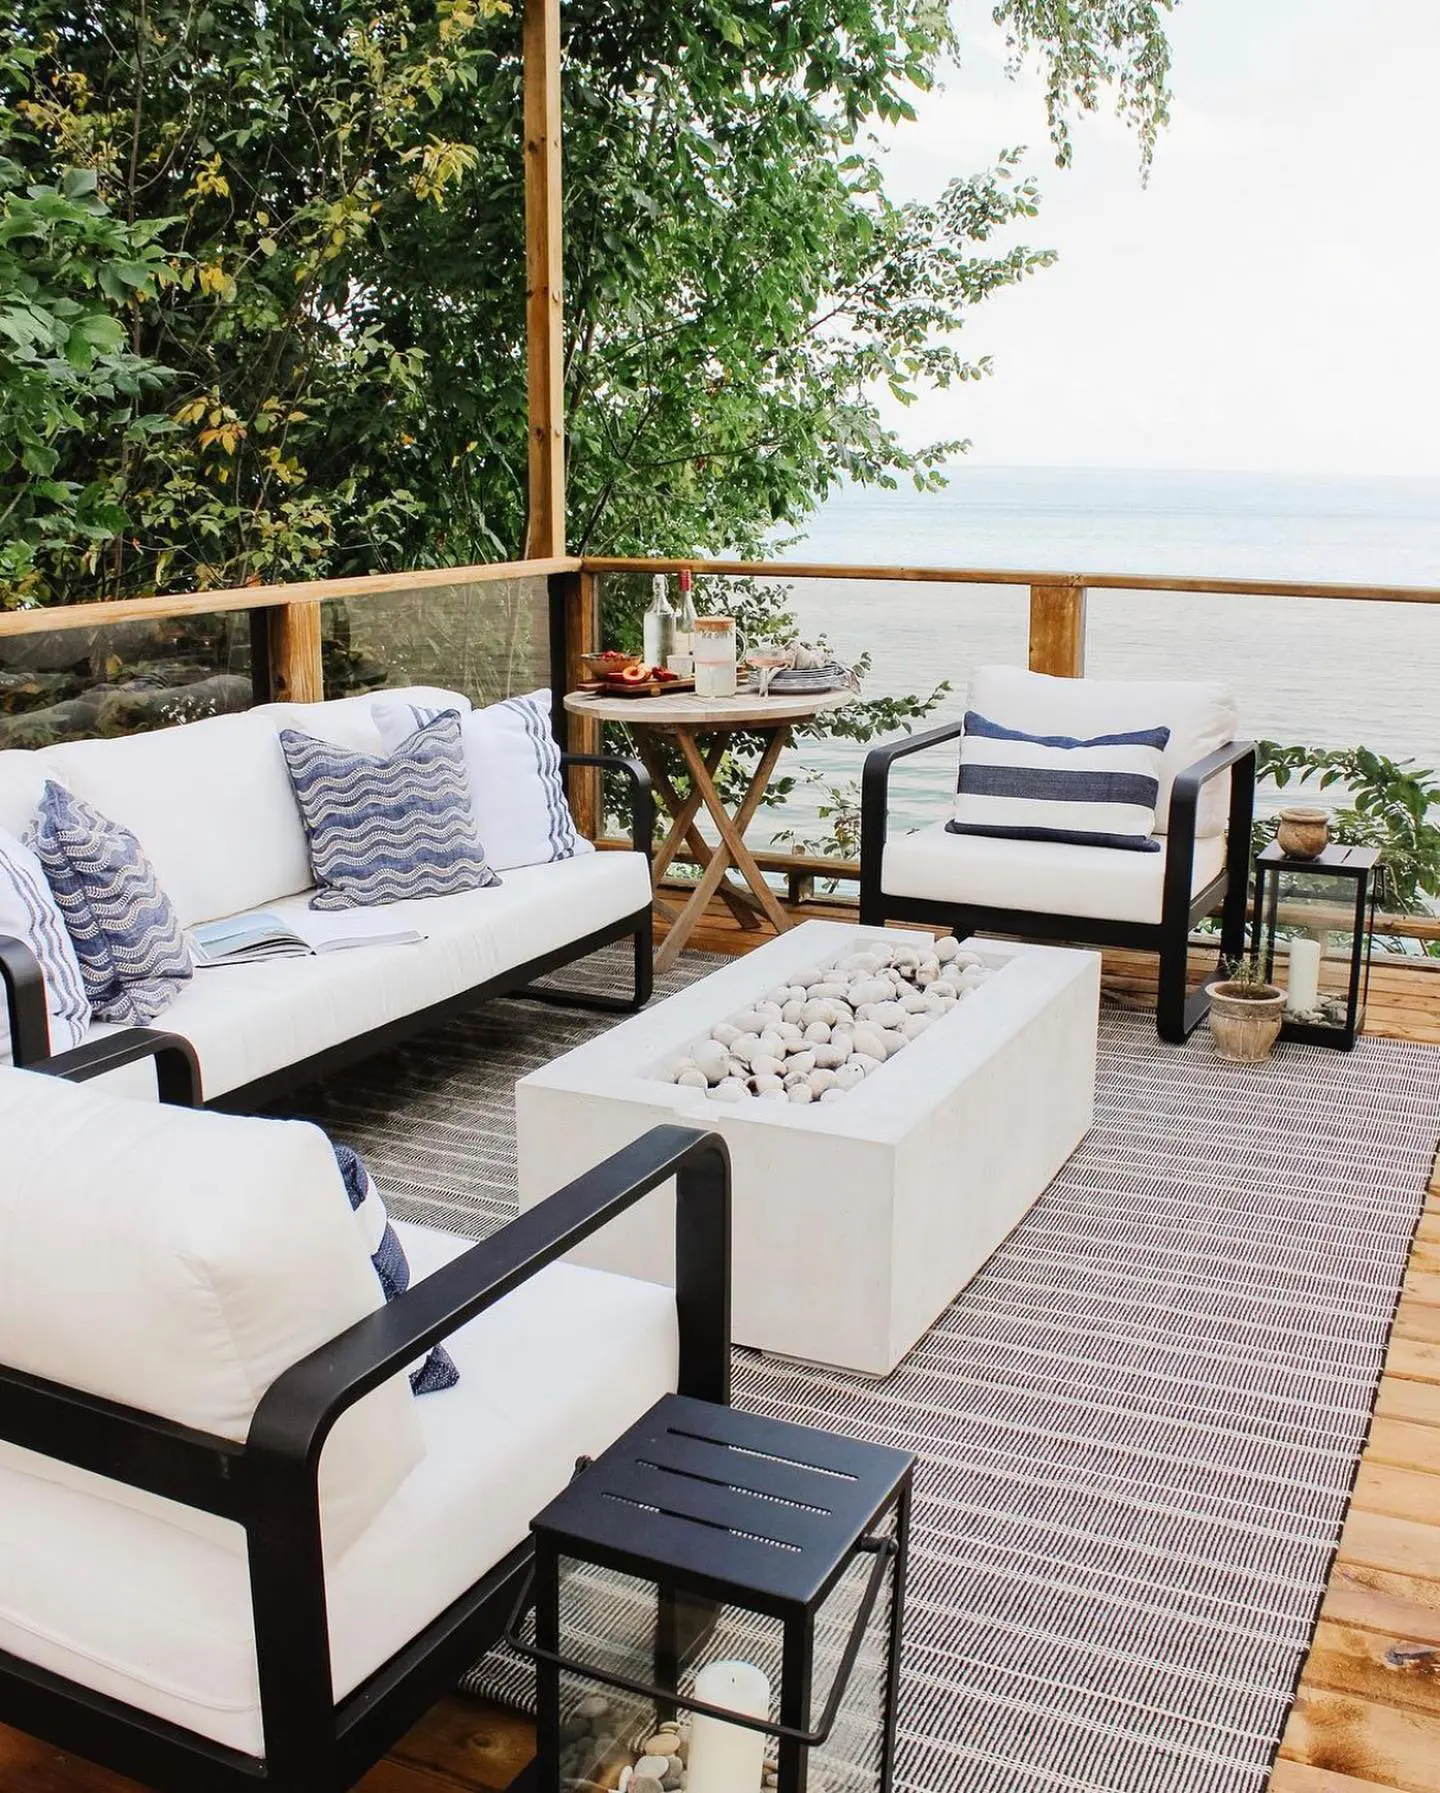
1245	1013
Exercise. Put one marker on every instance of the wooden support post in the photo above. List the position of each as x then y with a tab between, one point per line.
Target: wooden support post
578	597
1057	630
544	281
296	674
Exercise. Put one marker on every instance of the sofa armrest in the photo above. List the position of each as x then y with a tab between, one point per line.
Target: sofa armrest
1238	758
177	1070
24	985
875	805
642	797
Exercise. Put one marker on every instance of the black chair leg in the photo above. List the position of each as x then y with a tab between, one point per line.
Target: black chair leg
1178	1010
644	984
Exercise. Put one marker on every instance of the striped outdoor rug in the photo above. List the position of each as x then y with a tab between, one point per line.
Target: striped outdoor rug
1137	1427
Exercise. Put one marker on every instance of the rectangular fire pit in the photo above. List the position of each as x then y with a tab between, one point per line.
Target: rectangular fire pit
856	1221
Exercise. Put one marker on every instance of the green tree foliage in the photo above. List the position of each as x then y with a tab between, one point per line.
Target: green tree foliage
339	299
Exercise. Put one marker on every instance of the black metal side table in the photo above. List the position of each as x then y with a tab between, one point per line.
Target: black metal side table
706	1533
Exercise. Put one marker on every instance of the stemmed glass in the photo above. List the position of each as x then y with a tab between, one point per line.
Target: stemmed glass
766	658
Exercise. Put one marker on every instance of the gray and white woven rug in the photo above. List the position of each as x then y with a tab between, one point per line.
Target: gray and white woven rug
1137	1427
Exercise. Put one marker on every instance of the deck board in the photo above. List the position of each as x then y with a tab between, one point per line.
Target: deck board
1367	1711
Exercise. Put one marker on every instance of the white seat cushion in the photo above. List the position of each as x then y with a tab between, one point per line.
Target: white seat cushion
1037	876
156	1616
177	1262
1200	717
246	1021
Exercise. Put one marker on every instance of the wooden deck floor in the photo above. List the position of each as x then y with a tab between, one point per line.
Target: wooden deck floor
1367	1714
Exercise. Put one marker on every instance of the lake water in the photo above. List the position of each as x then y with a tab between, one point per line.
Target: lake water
1329	673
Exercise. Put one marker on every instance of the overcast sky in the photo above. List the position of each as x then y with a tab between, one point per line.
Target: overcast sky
1271	300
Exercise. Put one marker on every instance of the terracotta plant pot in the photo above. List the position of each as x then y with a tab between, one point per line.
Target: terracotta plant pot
1303	833
1245	1020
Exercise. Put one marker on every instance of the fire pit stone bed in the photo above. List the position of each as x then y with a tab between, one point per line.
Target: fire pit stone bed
821	1035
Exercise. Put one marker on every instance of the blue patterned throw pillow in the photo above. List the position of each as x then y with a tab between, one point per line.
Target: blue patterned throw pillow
387	1254
127	937
387	828
1097	793
28	913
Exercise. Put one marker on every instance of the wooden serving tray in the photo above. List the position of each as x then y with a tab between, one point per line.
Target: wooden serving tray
628	688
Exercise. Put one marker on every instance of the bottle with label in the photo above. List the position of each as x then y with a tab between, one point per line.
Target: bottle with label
685	621
659	625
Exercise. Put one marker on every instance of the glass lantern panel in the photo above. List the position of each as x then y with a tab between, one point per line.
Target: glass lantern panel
1315	925
617	1624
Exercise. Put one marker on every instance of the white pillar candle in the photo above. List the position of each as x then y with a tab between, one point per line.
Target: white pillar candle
727	1758
1304	981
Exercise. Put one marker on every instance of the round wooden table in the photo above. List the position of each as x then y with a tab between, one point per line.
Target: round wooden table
686	721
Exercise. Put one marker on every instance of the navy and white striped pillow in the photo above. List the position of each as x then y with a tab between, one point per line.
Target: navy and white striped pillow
517	787
128	940
385	829
28	913
387	1254
1096	793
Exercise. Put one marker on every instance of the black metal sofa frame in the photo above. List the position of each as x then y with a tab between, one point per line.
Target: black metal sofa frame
24	987
1178	1011
269	1485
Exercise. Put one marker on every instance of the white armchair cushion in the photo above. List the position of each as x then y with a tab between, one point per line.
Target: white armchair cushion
161	1619
177	1261
1200	716
1038	876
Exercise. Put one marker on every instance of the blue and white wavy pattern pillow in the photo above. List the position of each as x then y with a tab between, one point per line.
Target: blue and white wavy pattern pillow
127	937
387	1254
387	828
517	788
1096	793
28	913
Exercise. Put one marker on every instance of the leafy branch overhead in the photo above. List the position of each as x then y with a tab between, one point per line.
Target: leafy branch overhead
297	248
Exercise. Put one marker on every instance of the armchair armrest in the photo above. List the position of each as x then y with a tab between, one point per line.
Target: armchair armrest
297	1412
1238	758
177	1070
642	799
875	804
24	985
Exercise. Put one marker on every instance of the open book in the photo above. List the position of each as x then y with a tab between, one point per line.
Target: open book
245	939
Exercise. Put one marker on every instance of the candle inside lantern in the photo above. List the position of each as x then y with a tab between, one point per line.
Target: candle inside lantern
1304	979
728	1758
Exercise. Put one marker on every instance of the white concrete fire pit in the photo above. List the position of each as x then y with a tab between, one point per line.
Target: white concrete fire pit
857	1219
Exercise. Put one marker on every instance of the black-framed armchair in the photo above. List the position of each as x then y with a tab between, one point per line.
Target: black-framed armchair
178	1606
1060	891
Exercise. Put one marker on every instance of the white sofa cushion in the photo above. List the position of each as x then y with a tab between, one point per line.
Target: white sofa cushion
29	914
246	1021
22	784
1200	717
348	721
1042	877
516	787
160	1618
177	1262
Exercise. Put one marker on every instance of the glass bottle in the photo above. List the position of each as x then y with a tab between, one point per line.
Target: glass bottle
685	621
659	625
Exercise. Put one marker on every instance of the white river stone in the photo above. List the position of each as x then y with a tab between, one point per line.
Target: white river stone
730	1089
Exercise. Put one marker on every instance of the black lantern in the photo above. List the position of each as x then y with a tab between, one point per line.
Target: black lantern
1323	911
717	1608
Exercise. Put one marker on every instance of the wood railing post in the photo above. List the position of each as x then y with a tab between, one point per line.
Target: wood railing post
575	616
296	673
544	281
1057	630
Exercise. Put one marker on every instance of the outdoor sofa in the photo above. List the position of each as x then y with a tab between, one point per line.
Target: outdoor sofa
212	805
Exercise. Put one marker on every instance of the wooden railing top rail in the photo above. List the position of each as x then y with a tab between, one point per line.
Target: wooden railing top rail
806	569
271	597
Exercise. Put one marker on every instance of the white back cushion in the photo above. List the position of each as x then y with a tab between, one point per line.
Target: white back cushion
209	801
22	780
1200	717
347	721
177	1261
